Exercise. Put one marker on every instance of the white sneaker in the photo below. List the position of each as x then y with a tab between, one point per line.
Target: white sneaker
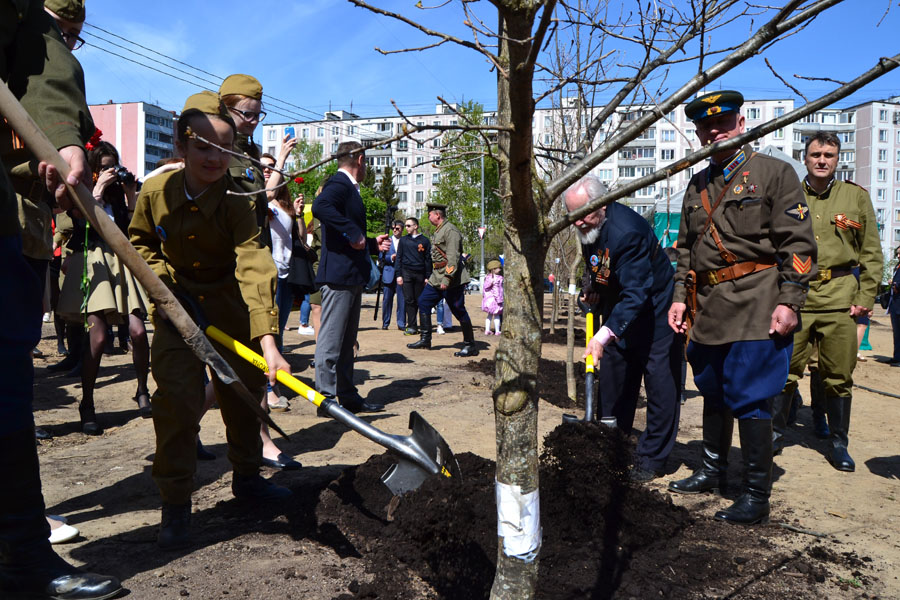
46	318
440	330
306	330
62	533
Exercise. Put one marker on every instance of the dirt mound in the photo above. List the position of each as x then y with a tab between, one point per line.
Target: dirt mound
603	537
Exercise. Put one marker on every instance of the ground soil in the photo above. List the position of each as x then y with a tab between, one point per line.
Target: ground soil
832	535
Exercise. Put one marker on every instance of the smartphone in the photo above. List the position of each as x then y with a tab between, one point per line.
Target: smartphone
289	131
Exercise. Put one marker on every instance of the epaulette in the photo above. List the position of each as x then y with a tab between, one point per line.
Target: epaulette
857	185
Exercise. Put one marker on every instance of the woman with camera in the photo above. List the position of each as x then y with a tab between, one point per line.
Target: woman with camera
99	290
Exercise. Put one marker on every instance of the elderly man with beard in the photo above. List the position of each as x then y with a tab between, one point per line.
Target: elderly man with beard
629	276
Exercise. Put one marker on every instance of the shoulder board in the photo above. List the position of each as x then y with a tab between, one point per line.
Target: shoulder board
857	185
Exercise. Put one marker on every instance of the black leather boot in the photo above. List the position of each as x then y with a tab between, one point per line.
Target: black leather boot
468	348
817	403
89	424
175	527
752	506
28	565
718	426
781	407
424	332
839	422
74	340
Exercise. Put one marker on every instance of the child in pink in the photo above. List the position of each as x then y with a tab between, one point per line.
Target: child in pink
492	302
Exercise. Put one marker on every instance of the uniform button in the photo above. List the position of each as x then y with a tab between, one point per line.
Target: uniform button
194	209
201	298
197	264
192	237
274	313
818	216
817	238
274	328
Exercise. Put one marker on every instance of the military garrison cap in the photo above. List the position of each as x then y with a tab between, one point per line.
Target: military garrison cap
714	103
242	85
206	102
430	206
70	10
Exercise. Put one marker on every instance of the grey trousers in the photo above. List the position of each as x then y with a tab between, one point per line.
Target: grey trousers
337	335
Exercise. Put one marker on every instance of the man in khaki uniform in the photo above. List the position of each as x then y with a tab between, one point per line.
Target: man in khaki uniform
846	231
42	74
204	243
448	281
745	257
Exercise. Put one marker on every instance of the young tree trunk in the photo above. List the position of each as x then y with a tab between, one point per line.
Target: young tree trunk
525	247
571	386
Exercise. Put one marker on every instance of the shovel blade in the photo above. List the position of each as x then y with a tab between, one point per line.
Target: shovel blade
425	453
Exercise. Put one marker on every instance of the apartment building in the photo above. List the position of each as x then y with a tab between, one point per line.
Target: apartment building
415	161
142	133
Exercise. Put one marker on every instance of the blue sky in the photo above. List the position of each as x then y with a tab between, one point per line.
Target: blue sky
319	54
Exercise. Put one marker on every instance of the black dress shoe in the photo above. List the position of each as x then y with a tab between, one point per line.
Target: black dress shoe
282	462
254	487
203	453
356	404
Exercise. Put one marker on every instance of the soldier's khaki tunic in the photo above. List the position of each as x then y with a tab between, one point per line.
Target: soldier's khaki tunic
762	214
846	231
447	238
248	177
207	247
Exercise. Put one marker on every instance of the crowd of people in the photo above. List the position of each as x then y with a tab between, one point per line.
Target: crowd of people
762	277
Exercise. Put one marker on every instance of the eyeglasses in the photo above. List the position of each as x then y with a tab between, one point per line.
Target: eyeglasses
410	225
267	167
249	115
397	228
73	40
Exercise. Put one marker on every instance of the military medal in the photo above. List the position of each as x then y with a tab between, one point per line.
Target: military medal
595	260
752	188
160	232
738	189
603	275
249	173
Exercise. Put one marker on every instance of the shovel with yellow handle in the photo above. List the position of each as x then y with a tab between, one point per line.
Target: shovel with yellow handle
588	376
419	455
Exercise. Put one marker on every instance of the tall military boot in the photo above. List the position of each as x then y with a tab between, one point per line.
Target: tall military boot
175	527
718	426
59	325
74	339
424	332
839	421
817	403
28	565
781	407
468	340
752	506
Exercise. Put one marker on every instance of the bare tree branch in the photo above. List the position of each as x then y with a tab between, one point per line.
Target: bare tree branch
782	80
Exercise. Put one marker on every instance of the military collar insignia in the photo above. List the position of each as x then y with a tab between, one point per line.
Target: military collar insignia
797	211
732	167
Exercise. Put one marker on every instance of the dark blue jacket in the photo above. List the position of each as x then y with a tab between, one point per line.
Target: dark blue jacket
388	266
637	293
342	216
894	306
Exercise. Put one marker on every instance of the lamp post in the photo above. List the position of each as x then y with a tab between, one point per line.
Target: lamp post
483	230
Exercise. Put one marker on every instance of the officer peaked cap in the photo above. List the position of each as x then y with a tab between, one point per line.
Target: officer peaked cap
714	103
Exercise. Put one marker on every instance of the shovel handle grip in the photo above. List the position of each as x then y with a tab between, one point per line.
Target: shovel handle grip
259	362
589	333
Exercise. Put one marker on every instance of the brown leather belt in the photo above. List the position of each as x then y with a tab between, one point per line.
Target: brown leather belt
439	265
736	271
829	274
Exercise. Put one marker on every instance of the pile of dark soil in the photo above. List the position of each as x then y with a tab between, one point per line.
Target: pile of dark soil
602	536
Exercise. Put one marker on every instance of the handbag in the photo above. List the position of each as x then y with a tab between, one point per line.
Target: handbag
884	299
301	276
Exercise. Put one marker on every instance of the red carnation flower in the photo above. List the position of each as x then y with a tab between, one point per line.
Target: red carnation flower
95	139
298	180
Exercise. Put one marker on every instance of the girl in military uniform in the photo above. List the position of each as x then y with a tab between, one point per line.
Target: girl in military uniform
113	295
204	243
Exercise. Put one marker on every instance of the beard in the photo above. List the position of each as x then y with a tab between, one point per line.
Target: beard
589	237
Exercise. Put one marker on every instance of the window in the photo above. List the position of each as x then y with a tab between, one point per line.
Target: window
548	121
882	155
382	127
847	117
668	135
436	143
778	134
848	137
882	115
420	145
667	154
305	133
690	133
271	150
420	179
420	197
637	153
671	116
334	146
647	192
879	194
846	156
401	197
351	130
548	138
626	171
845	175
420	123
402	146
897	175
402	162
647	134
272	134
419	160
778	111
334	130
320	132
642	171
402	179
435	177
604	174
882	135
753	114
454	122
435	122
882	174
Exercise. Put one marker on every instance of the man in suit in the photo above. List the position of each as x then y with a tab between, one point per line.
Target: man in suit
630	277
389	276
344	267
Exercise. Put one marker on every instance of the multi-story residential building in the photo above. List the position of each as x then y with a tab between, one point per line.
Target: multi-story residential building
141	132
415	160
869	156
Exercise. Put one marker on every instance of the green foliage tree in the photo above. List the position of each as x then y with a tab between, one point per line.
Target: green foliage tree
375	207
459	187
